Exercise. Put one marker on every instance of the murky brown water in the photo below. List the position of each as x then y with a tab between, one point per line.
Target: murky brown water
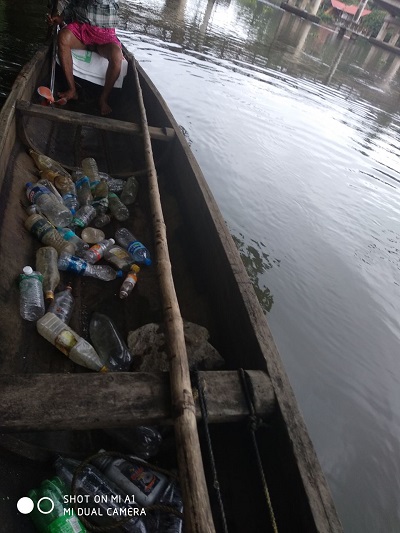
297	133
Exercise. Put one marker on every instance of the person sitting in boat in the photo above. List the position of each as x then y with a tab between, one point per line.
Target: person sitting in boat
88	24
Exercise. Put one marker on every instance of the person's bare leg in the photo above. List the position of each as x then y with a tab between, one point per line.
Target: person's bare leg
66	42
113	53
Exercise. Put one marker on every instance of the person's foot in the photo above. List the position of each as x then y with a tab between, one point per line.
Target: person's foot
71	94
105	109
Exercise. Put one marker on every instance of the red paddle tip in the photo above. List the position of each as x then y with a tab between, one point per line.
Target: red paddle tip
46	93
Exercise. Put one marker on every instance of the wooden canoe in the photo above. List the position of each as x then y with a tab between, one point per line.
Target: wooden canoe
48	404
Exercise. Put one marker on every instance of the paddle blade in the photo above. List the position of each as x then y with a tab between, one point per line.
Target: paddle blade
46	93
61	101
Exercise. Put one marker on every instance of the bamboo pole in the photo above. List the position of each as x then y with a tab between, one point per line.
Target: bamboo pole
197	509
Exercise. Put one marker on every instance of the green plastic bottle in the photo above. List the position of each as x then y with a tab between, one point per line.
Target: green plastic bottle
60	519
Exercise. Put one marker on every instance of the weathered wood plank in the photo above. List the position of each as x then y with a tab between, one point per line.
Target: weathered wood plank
102	123
89	401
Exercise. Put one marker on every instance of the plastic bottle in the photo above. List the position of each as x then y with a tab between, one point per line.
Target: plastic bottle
70	236
68	192
142	441
92	235
119	257
89	167
54	330
117	208
51	517
32	209
114	184
134	478
130	191
47	234
50	185
31	294
83	216
43	162
167	522
129	282
91	482
63	305
96	252
109	344
100	197
57	213
71	263
101	220
83	190
46	263
137	250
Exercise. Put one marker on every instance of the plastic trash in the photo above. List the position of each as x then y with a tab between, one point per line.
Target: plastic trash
46	263
45	163
57	213
119	257
39	226
92	235
83	217
109	344
130	191
137	250
117	208
96	252
31	294
83	190
72	263
129	282
70	236
89	168
63	304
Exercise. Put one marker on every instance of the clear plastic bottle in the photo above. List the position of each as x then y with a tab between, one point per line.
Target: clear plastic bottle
112	500
83	216
134	478
68	192
63	304
137	250
31	294
119	257
130	191
115	185
57	213
129	282
39	226
54	330
100	197
51	516
109	344
50	185
46	264
117	208
101	220
92	235
89	167
83	191
96	252
71	263
43	162
70	236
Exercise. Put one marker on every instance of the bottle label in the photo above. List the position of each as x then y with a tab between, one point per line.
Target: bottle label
40	228
66	524
65	341
37	191
131	277
82	182
69	196
76	264
119	252
135	247
97	250
144	479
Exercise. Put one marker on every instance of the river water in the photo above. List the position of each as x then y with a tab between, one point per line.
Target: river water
297	133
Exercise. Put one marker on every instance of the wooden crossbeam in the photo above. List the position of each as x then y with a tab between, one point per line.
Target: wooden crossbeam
81	119
90	401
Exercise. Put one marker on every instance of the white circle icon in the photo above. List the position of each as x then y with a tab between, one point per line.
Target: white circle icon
38	505
25	505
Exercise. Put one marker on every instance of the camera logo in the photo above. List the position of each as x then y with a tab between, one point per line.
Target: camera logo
25	505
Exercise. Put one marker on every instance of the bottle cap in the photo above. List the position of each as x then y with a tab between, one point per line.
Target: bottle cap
147	261
135	268
49	296
112	241
27	270
123	294
29	184
68	234
120	273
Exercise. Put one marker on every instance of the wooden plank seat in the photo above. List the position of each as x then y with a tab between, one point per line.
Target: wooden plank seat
82	119
89	401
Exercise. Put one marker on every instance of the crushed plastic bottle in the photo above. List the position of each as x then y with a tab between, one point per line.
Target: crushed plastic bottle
31	294
71	263
83	191
115	185
54	330
50	185
39	226
129	282
83	216
137	250
57	213
112	501
68	192
133	477
130	191
109	344
117	208
92	235
70	236
48	512
46	263
63	304
96	252
119	257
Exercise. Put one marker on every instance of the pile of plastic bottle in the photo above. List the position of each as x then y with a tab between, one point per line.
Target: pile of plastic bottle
110	489
62	206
